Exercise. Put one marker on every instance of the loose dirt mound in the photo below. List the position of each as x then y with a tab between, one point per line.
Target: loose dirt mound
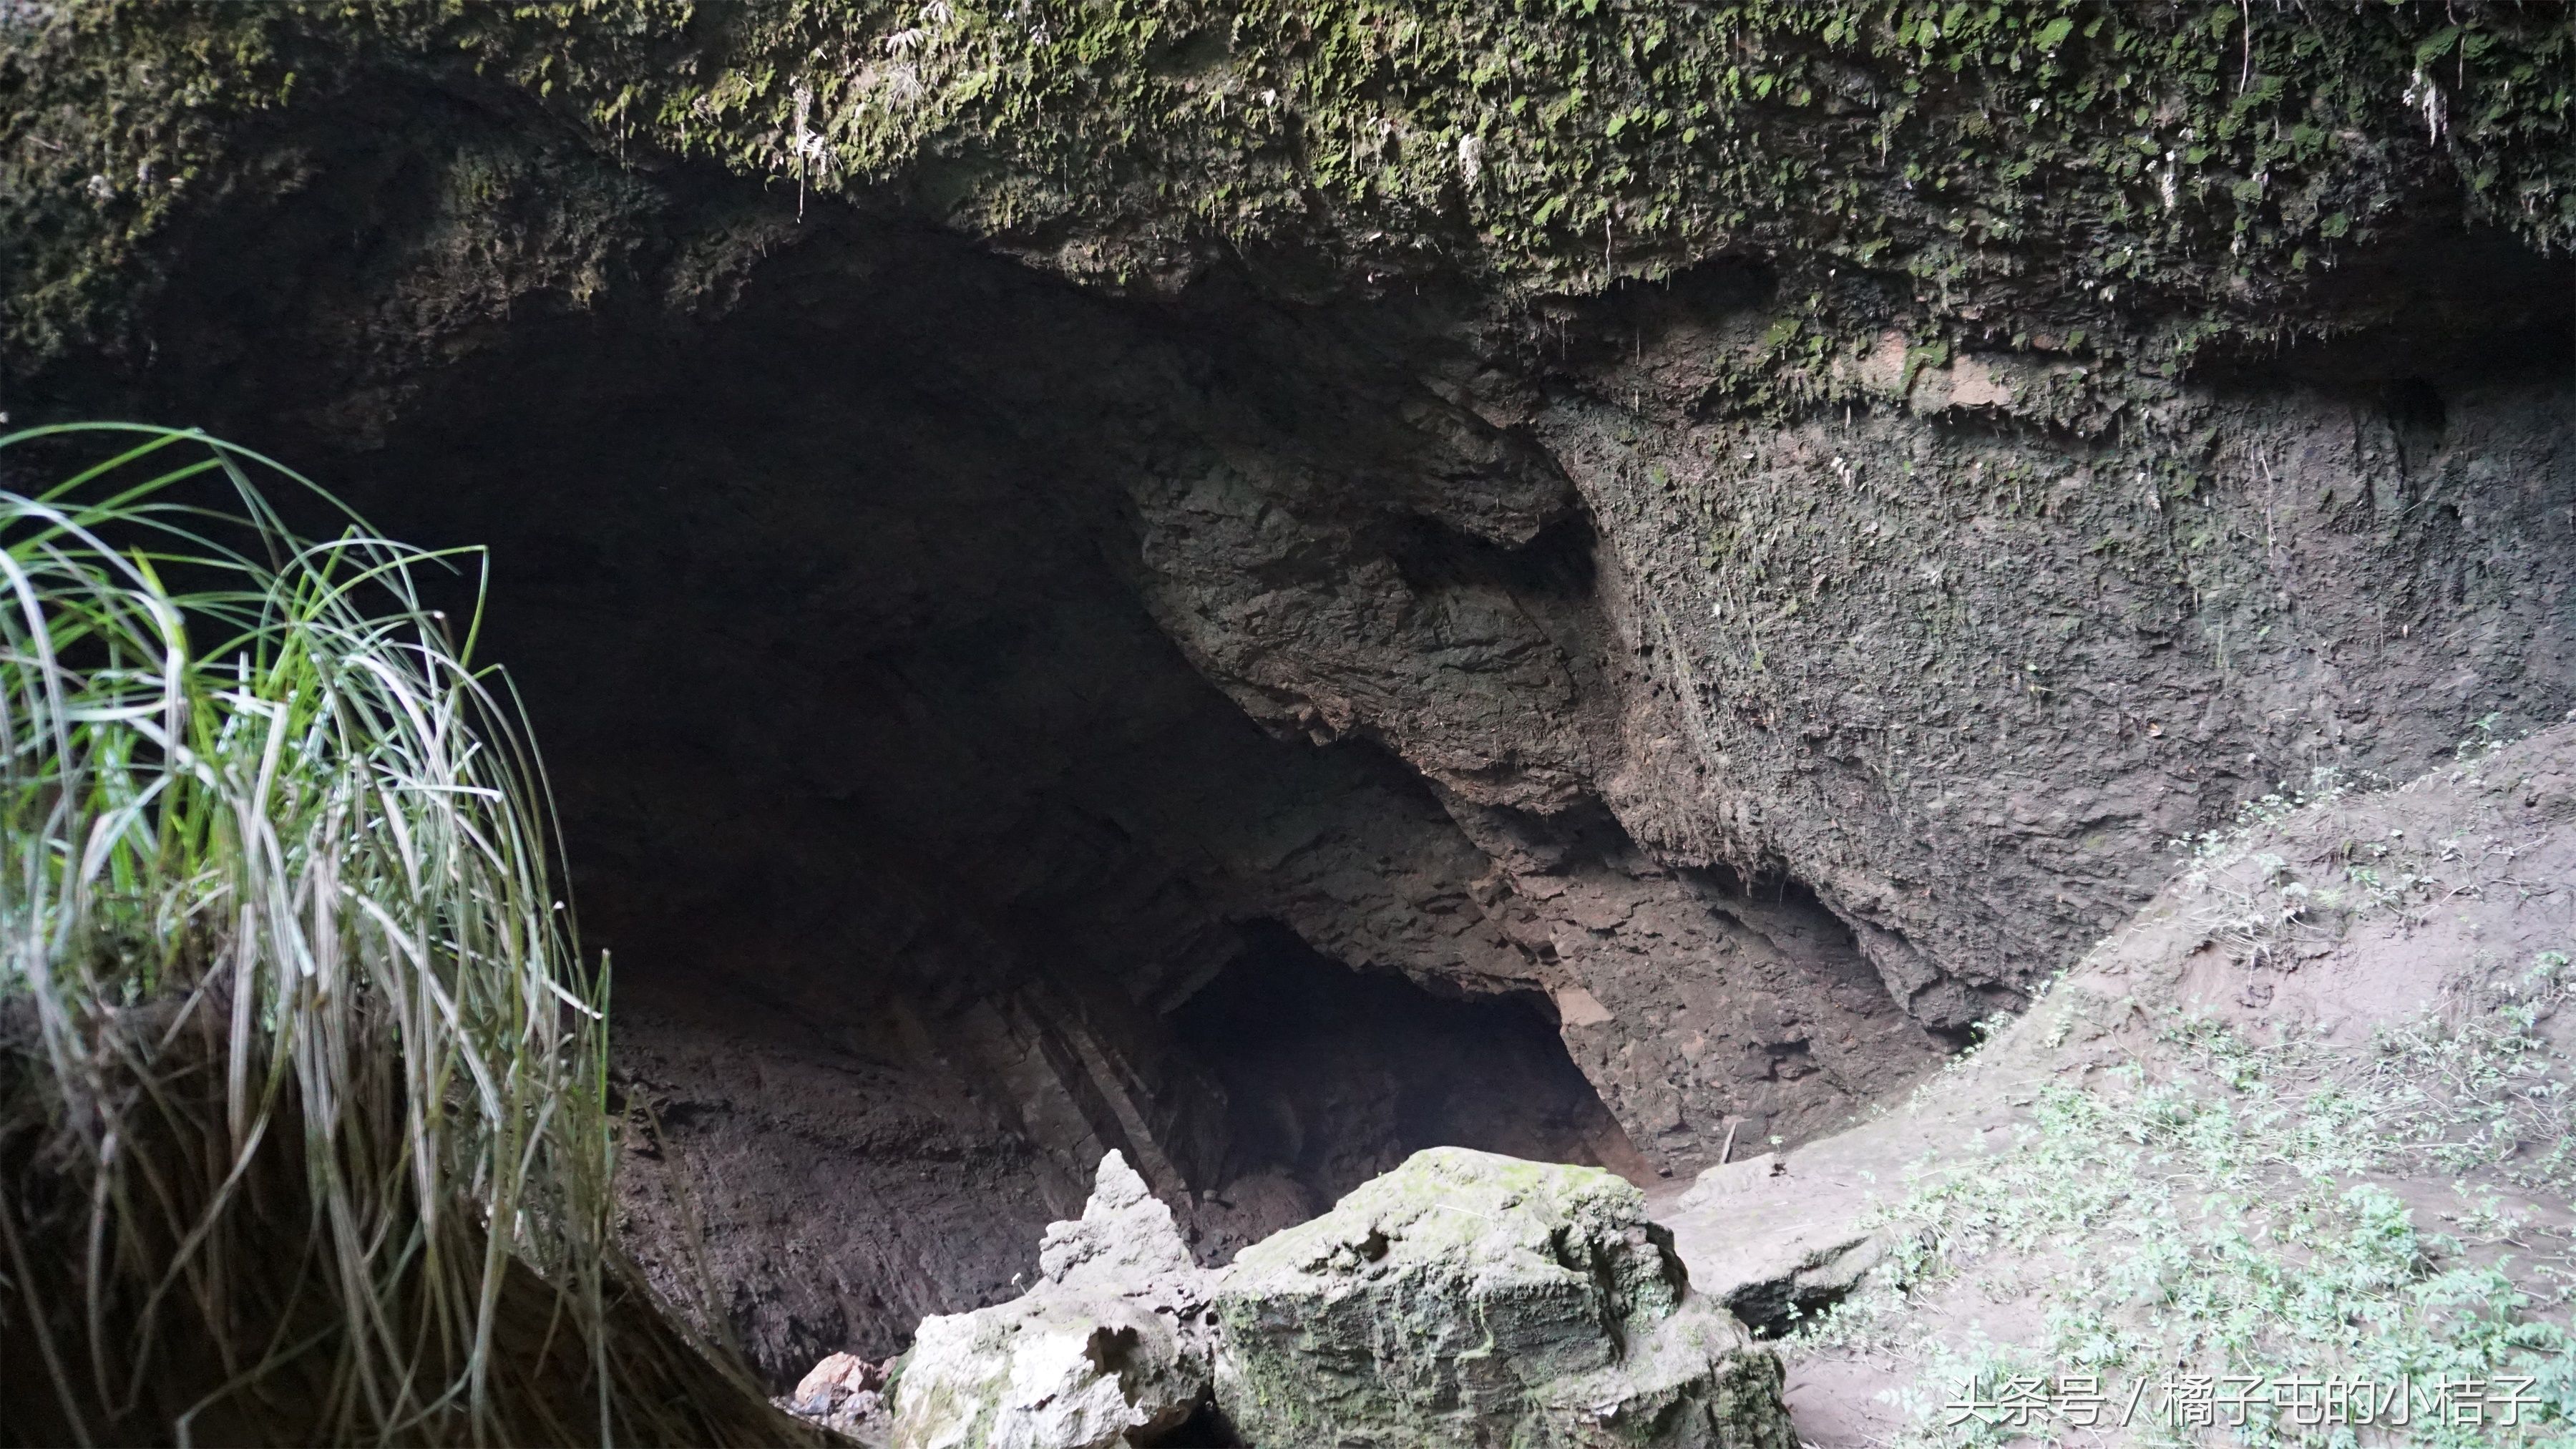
2293	1149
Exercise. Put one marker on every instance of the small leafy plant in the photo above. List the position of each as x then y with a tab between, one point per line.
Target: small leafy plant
2235	1228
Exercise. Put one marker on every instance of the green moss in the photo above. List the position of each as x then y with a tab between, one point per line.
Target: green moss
2013	165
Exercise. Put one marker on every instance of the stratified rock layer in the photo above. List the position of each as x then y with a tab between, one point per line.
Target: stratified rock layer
1470	1299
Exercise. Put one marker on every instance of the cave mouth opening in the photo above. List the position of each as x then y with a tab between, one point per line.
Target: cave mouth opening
933	865
1332	1076
995	723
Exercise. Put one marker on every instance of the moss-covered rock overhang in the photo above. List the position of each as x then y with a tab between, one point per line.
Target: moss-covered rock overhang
2134	180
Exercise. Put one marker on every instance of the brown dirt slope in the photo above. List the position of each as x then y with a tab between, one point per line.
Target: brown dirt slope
2304	1123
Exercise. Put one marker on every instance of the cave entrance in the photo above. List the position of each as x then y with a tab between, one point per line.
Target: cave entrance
933	866
965	697
1332	1076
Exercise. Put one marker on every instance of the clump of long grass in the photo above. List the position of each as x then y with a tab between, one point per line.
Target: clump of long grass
304	1127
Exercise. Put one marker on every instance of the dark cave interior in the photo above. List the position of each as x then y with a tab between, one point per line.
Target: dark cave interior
996	723
930	866
1332	1076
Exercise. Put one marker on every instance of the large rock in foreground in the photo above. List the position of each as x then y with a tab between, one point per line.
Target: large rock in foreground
1462	1299
1471	1299
1112	1346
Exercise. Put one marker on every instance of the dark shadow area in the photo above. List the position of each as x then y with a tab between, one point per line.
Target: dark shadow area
1333	1076
2428	311
905	822
1778	1308
903	629
1557	565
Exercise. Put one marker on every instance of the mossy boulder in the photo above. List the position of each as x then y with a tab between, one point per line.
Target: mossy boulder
1471	1299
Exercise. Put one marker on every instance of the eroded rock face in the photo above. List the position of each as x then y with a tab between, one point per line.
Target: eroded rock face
1467	1299
1011	815
1771	650
1112	1346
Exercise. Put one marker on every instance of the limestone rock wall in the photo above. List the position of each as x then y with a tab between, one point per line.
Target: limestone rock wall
1747	533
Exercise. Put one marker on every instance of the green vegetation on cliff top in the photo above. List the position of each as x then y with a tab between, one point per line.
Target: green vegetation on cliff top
2020	161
